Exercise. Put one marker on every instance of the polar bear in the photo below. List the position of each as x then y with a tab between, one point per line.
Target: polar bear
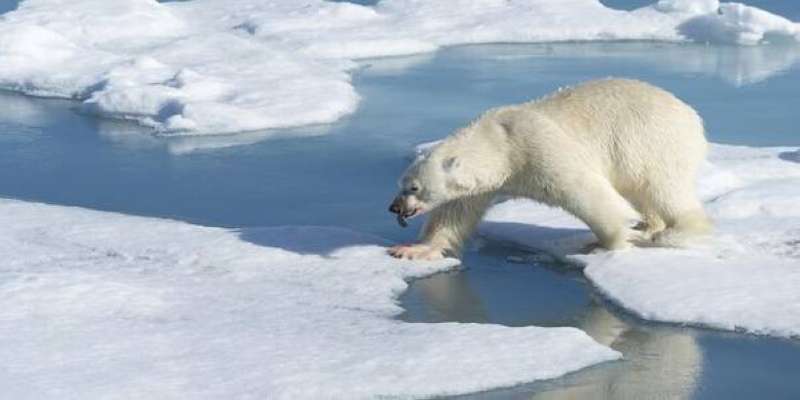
608	151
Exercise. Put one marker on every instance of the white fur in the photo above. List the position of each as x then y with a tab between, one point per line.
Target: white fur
608	151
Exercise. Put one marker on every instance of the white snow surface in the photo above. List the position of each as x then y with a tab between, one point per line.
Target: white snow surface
223	66
95	305
745	278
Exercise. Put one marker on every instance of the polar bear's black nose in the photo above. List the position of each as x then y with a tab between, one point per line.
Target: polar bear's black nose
395	207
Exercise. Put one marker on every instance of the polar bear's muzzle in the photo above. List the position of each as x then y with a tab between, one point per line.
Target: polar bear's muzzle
404	208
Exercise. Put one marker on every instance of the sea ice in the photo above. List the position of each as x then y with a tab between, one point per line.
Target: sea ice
101	305
737	23
221	66
746	277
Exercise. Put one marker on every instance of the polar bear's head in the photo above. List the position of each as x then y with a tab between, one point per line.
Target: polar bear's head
432	180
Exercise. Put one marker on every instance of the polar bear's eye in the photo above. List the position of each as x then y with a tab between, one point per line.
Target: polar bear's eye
414	189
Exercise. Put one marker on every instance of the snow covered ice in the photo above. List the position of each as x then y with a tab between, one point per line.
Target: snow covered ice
100	305
745	278
222	66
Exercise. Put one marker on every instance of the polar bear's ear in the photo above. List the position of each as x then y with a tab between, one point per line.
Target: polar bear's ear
506	126
450	164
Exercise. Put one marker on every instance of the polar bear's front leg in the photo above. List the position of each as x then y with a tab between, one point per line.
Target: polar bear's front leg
448	227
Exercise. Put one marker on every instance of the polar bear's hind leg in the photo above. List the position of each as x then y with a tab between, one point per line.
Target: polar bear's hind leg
651	221
683	214
595	202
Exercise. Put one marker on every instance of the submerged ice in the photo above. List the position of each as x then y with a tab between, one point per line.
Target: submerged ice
219	66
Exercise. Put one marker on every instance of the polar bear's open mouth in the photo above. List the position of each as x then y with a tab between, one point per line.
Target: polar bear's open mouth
402	217
413	213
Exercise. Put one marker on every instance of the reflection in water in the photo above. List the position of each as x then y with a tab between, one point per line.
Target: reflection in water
395	65
660	362
191	143
747	65
736	65
20	111
136	137
450	298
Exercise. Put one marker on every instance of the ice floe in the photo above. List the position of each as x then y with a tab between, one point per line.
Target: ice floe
222	66
102	305
737	23
745	278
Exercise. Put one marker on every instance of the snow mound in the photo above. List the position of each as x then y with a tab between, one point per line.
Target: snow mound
740	24
100	305
223	66
744	279
689	6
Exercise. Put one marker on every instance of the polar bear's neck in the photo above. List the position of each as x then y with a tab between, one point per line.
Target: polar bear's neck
484	150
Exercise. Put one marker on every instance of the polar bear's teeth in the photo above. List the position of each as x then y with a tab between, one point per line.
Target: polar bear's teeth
402	220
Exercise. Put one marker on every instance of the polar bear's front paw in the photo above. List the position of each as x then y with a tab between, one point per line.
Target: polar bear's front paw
417	252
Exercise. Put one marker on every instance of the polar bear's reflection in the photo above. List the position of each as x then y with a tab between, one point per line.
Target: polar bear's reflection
659	362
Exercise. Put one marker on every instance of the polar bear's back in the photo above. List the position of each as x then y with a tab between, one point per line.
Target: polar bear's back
626	126
619	108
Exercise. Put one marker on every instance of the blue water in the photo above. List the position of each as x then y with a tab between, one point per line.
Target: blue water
343	174
7	5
